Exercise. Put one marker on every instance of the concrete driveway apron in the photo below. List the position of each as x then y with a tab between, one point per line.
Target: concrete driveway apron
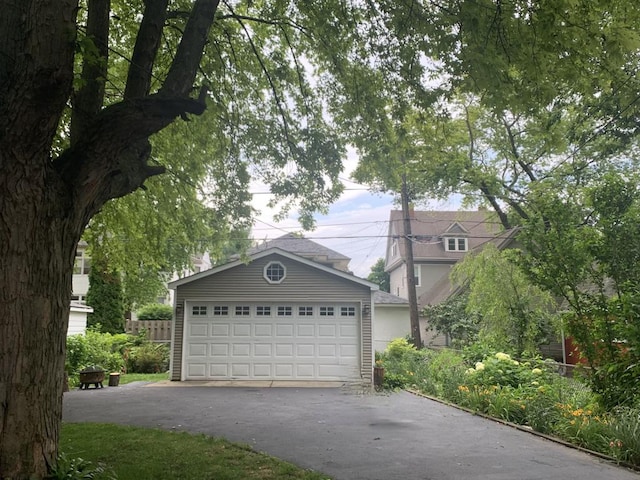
346	434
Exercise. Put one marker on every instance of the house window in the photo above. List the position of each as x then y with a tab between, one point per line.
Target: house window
82	263
274	272
263	311
285	311
394	248
326	311
219	310
78	299
456	244
198	310
417	275
243	310
347	311
305	311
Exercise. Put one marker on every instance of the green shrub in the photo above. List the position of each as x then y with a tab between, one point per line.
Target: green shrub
398	348
624	435
100	349
79	469
148	358
155	311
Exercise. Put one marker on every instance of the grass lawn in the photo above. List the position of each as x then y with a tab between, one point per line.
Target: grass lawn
142	377
139	453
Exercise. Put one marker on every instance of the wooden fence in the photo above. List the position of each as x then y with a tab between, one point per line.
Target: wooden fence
157	330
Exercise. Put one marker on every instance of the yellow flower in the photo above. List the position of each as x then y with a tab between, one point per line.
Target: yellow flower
470	371
503	356
536	371
479	366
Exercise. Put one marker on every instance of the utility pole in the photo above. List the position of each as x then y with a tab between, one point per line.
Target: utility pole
411	278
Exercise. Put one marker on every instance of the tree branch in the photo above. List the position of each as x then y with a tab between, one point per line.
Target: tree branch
89	99
179	81
146	49
110	160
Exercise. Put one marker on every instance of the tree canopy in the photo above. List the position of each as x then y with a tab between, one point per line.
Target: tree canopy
506	102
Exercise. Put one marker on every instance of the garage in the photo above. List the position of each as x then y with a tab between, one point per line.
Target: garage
271	341
276	316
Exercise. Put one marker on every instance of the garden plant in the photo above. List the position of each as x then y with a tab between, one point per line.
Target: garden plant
527	392
114	353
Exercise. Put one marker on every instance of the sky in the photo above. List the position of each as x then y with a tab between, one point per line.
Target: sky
355	226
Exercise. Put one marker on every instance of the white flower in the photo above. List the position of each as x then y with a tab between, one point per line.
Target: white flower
536	371
470	371
503	356
479	366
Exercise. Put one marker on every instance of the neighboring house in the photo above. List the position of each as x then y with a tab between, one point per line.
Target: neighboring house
391	319
293	312
440	240
78	318
306	248
81	269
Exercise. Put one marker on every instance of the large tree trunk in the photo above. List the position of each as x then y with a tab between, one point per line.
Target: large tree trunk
38	231
45	202
36	264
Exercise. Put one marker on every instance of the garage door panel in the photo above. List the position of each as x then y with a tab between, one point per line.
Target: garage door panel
327	330
348	351
327	350
284	330
197	350
305	370
263	330
262	370
348	331
305	350
197	370
241	330
284	350
298	345
306	330
220	330
284	370
219	349
218	370
198	329
329	371
240	369
241	350
262	350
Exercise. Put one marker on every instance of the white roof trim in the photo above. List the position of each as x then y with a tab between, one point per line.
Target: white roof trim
80	307
256	256
449	231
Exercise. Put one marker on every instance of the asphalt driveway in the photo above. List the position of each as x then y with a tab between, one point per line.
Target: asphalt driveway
346	434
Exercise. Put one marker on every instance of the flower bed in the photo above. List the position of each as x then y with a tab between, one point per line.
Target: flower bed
528	393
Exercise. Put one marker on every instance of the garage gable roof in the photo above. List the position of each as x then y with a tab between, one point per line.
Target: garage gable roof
271	251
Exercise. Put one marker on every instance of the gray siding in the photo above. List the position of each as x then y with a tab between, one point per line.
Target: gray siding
303	284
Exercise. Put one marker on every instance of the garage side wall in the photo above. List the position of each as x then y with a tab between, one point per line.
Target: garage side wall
302	284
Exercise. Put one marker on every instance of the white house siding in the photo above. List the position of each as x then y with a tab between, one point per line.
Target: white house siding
303	285
390	322
78	319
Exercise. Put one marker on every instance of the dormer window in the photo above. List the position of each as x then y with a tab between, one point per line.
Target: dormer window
456	244
394	248
274	272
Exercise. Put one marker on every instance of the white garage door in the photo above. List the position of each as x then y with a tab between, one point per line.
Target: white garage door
272	341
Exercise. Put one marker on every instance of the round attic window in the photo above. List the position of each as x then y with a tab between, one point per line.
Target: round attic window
274	272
